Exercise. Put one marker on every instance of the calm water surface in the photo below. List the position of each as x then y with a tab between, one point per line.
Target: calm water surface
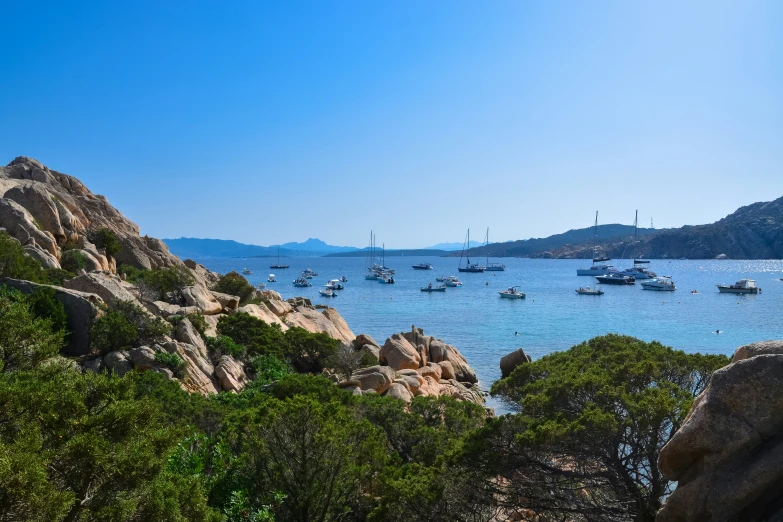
553	317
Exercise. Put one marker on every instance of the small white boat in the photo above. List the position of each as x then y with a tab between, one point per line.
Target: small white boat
334	284
246	271
422	266
660	284
271	278
743	286
309	273
452	281
495	267
327	292
301	282
596	270
442	279
261	287
430	288
512	293
639	272
589	291
386	279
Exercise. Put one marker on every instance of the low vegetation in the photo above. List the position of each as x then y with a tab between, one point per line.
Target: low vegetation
105	239
127	325
234	284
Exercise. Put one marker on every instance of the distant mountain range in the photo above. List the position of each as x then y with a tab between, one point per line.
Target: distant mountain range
752	232
186	247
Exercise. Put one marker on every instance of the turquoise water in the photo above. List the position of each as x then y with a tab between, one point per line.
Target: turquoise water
553	317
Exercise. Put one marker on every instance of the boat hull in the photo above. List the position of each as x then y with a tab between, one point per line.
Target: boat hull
495	269
658	288
505	295
625	280
595	271
590	292
439	289
472	270
416	267
727	290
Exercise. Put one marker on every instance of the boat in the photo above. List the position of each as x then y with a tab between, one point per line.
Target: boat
661	284
430	288
589	291
343	279
743	286
271	278
278	266
512	293
422	266
469	267
246	271
302	282
452	281
309	273
334	284
375	271
386	279
442	279
616	279
492	267
327	292
261	287
594	269
638	271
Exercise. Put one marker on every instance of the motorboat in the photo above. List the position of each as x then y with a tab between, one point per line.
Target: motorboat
343	279
452	281
386	279
309	273
442	279
589	291
492	267
596	270
430	288
512	293
639	272
278	266
327	292
372	275
271	278
247	271
469	267
302	282
616	279
422	266
261	287
743	286
334	284
661	284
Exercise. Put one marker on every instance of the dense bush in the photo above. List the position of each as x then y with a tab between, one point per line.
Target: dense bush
127	325
25	338
265	369
258	337
132	274
158	284
45	305
225	345
309	352
172	361
73	261
198	321
105	239
15	263
57	276
234	284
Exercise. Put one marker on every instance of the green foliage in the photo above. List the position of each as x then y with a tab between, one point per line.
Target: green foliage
172	361
368	359
159	283
73	261
234	284
198	321
45	305
309	352
125	326
258	337
15	263
225	345
132	274
57	276
105	239
610	404
25	339
266	369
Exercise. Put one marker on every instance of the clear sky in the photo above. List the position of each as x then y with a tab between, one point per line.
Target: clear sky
268	122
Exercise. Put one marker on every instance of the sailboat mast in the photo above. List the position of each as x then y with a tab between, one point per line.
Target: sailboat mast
635	230
486	246
595	236
467	254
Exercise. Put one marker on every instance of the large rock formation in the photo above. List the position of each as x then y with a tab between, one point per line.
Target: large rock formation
48	211
728	456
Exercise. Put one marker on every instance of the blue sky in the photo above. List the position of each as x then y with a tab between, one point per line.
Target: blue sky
268	122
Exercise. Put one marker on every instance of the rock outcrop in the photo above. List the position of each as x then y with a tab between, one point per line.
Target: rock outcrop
510	361
47	211
728	456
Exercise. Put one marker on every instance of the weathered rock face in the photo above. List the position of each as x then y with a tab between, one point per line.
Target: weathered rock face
728	455
376	378
510	361
45	209
399	354
329	322
81	310
231	374
198	296
108	286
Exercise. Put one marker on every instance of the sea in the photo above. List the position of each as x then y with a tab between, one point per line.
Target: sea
485	327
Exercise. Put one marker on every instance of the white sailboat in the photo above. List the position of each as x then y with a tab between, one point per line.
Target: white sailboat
492	267
469	267
600	269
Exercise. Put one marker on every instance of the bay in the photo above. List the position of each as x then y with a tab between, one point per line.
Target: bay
553	317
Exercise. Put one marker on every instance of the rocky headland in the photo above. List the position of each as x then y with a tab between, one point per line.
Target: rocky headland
53	215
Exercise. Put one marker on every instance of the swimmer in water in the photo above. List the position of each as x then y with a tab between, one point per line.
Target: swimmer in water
717	331
516	333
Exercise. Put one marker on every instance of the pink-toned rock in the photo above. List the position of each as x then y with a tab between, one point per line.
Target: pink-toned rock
230	373
377	378
399	391
446	370
399	354
431	370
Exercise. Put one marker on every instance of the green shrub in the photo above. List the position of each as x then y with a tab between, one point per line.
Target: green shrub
15	263
368	359
225	345
172	361
125	326
73	261
57	276
309	352
105	239
254	334
132	274
266	369
157	284
45	305
234	284
26	340
70	245
198	321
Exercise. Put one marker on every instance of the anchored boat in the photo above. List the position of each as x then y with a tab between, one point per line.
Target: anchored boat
596	269
278	266
743	286
327	292
589	291
616	279
512	293
469	267
422	266
492	267
430	288
660	284
301	282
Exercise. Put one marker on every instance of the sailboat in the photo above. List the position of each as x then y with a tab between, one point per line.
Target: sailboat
638	271
492	267
596	269
469	267
278	265
385	275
